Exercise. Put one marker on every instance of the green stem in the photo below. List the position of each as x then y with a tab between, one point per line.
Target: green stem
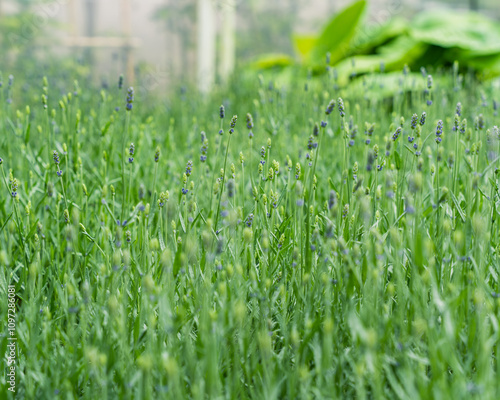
222	184
309	201
122	155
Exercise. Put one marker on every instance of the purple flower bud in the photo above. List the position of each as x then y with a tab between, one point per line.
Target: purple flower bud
341	107
130	98
330	107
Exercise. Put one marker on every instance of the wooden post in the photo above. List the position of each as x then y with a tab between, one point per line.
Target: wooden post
72	18
206	45
127	50
90	29
228	47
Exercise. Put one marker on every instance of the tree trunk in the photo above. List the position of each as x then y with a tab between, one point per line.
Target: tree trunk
228	47
127	51
206	45
90	28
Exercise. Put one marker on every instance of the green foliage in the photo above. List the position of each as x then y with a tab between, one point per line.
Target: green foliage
371	36
472	33
307	260
336	36
441	36
272	60
304	45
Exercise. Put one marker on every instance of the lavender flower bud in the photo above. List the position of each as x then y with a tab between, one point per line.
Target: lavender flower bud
55	156
204	151
341	107
157	154
397	133
232	124
130	98
66	216
414	121
439	131
315	130
330	107
263	152
189	168
281	241
249	220
422	118
14	184
310	143
332	200
463	126
297	171
162	200
480	121
345	211
456	123
230	188
249	120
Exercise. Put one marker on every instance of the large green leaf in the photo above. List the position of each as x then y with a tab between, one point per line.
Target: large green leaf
304	45
394	56
336	36
357	65
489	65
371	36
467	31
267	61
401	51
380	86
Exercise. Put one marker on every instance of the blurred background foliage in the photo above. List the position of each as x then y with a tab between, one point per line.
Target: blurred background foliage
429	39
283	35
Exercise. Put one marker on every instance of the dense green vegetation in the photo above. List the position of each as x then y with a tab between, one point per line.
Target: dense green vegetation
388	40
339	243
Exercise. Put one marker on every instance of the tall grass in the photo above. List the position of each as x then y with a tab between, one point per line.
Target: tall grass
362	267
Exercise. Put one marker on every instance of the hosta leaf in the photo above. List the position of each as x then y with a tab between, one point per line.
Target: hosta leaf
304	45
379	86
467	31
337	34
490	65
268	61
393	56
401	51
369	37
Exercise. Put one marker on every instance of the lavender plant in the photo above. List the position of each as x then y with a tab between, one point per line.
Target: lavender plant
338	267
